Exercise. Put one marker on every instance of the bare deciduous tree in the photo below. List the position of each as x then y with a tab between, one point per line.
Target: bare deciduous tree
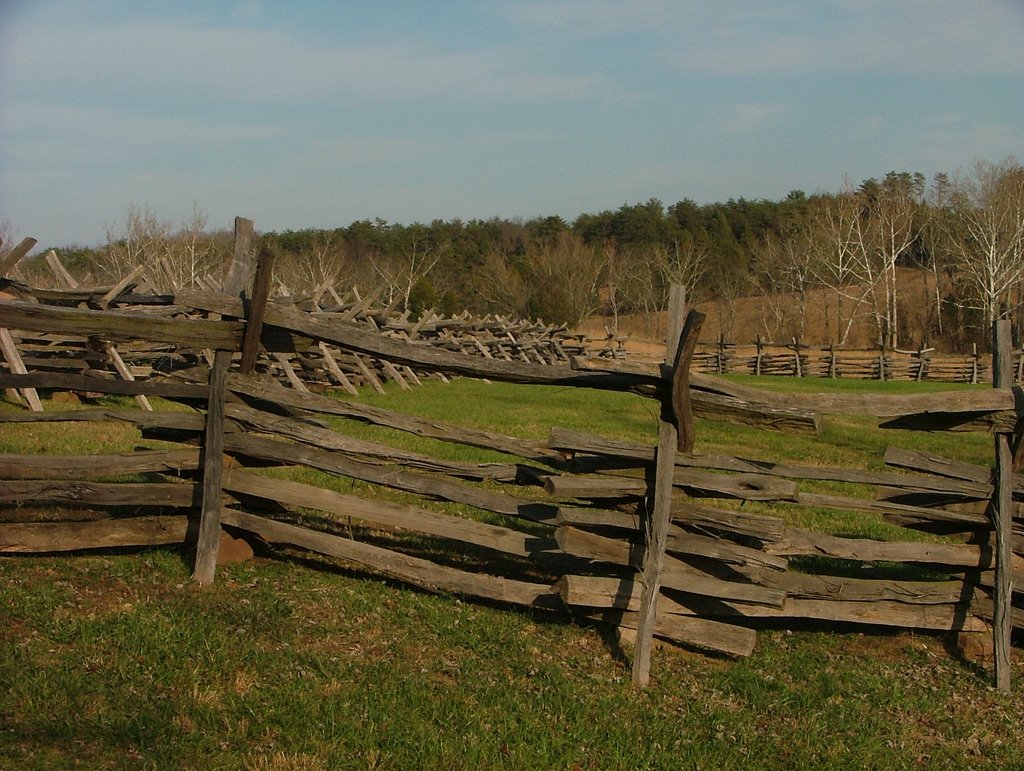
786	276
500	285
836	264
567	275
174	258
985	237
402	270
190	254
142	241
889	227
325	263
639	281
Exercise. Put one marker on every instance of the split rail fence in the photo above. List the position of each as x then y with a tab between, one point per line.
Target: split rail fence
798	359
643	537
316	368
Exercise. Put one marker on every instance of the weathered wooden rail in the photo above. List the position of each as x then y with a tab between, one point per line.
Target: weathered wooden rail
647	537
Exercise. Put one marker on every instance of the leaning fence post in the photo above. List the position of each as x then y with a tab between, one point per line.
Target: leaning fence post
239	273
256	311
1002	512
675	434
13	257
8	349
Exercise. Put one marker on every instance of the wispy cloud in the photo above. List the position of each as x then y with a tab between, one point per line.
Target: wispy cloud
246	64
742	37
752	116
72	137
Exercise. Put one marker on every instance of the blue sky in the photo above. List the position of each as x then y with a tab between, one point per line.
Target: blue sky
316	114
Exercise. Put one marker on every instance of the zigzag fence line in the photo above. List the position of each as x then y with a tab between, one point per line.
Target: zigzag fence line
645	537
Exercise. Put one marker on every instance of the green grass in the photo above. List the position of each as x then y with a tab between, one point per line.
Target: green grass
117	661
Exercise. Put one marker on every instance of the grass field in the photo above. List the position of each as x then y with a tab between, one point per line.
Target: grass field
116	661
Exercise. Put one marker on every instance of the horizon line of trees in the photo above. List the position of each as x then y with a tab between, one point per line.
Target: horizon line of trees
963	234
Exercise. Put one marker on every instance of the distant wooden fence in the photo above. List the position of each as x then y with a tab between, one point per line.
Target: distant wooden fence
797	359
640	537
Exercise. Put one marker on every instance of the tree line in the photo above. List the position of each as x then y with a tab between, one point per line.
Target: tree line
866	252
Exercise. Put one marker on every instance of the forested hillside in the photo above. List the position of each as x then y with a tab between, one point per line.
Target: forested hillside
916	259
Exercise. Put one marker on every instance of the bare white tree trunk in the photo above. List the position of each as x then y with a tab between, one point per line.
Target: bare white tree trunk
985	237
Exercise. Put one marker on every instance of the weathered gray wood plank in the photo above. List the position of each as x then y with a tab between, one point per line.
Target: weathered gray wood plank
378	512
362	449
13	257
751	487
805	542
121	325
690	630
17	366
570	441
84	466
390	476
177	421
29	537
82	493
601	592
1002	512
675	574
412	570
434	429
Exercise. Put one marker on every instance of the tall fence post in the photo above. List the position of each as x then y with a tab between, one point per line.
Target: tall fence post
1002	512
675	433
239	273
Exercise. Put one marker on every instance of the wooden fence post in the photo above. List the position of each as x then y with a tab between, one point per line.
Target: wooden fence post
11	260
7	347
922	363
9	351
1002	511
60	273
757	357
675	429
798	368
256	311
239	273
